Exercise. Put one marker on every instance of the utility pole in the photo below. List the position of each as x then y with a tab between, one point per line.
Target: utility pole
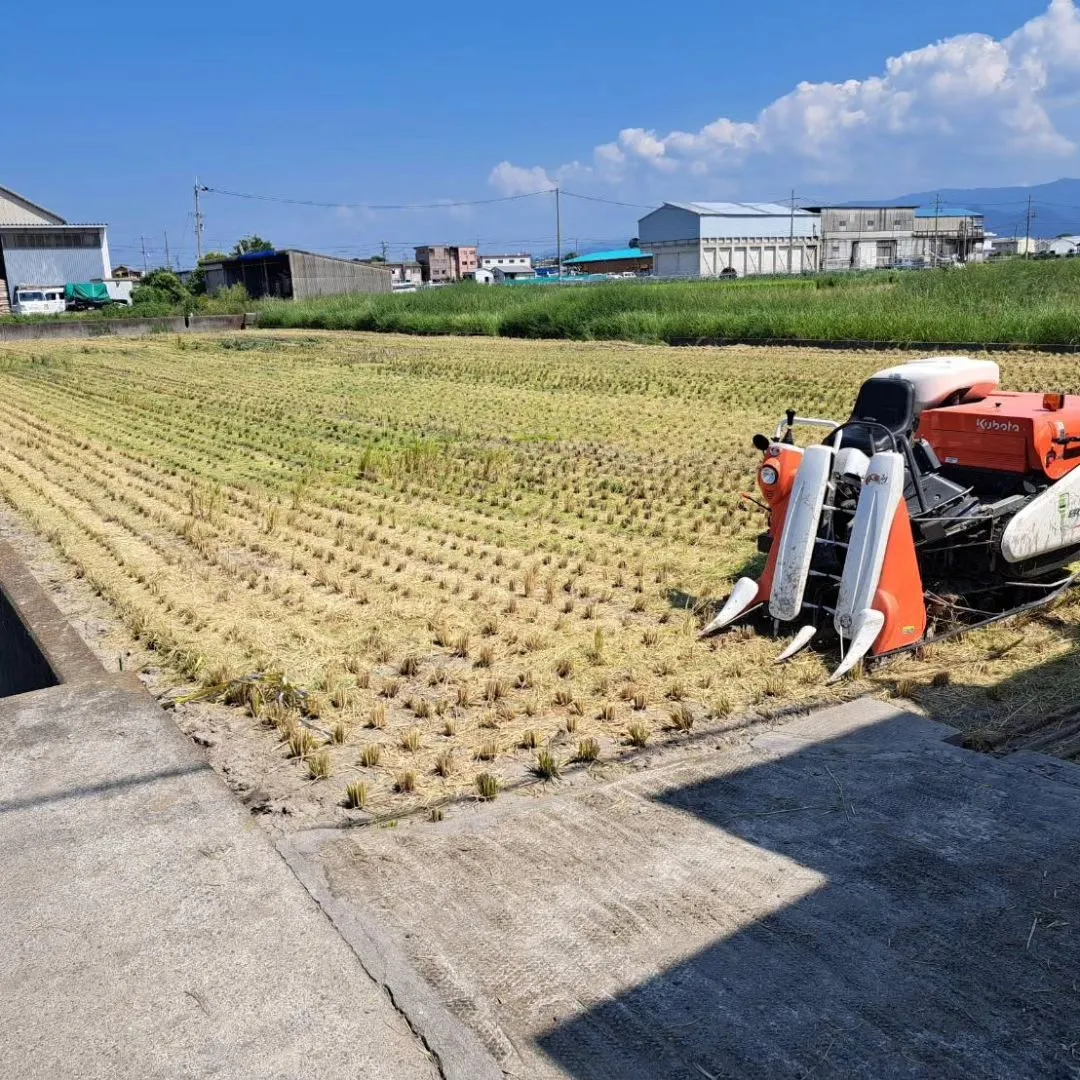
384	247
142	241
198	222
791	237
1027	230
558	232
934	242
168	261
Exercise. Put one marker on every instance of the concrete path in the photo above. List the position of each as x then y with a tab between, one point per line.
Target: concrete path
848	895
148	927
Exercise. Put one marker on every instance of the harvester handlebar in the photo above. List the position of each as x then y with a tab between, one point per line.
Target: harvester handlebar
791	420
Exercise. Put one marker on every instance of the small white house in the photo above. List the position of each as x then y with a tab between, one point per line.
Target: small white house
521	261
1004	246
483	276
1064	245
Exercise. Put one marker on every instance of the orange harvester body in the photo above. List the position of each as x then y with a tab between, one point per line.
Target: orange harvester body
1008	432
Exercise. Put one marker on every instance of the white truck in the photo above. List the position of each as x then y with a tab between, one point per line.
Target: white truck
39	300
74	296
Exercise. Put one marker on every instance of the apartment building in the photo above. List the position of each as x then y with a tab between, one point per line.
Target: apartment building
443	263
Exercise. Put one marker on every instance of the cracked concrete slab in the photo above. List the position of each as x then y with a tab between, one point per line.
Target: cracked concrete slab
849	895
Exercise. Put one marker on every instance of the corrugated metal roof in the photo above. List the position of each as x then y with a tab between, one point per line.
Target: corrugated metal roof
739	209
604	256
251	256
28	225
946	211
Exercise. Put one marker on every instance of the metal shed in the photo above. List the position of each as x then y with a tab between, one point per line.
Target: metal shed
296	275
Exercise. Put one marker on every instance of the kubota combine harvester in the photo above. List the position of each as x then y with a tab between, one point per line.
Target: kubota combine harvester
942	504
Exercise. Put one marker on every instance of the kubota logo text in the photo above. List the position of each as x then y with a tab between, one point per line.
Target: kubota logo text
997	425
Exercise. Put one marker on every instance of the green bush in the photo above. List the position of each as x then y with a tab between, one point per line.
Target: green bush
158	286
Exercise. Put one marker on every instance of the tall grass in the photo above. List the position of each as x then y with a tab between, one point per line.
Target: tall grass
1017	301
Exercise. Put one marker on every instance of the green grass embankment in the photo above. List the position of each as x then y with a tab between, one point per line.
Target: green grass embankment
1035	303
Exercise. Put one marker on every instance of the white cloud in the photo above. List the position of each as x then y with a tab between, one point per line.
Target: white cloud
515	180
932	112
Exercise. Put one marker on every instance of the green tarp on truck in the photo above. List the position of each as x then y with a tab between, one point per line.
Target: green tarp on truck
93	293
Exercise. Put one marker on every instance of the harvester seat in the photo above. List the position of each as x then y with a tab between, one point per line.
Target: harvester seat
884	411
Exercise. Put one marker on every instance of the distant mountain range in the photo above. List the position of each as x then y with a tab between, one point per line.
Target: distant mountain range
1055	206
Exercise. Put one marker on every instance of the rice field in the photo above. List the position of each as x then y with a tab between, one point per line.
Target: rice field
417	568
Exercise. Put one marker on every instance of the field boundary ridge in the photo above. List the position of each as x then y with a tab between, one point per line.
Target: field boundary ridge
66	330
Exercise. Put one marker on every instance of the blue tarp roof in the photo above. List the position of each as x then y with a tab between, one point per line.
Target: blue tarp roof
946	211
604	256
566	279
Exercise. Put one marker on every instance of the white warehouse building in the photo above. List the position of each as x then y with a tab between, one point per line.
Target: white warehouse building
722	239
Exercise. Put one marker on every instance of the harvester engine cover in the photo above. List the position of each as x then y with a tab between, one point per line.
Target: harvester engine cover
941	504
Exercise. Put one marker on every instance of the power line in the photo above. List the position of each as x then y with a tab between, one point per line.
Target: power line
610	202
446	205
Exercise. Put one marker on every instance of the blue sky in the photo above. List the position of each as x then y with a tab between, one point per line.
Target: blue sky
111	118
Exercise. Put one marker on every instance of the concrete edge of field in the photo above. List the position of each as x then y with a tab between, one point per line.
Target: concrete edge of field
458	1052
75	329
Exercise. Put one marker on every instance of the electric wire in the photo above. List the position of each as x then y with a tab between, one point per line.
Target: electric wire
442	205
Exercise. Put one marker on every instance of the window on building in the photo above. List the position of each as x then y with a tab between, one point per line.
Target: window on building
841	223
45	238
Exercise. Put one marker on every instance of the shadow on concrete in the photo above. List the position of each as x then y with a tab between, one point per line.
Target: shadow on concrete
943	940
87	790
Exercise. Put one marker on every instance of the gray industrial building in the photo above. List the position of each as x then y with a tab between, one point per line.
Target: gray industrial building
38	247
296	275
945	234
866	237
879	237
720	239
715	239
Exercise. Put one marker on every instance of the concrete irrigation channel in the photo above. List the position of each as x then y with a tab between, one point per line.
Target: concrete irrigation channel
849	893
